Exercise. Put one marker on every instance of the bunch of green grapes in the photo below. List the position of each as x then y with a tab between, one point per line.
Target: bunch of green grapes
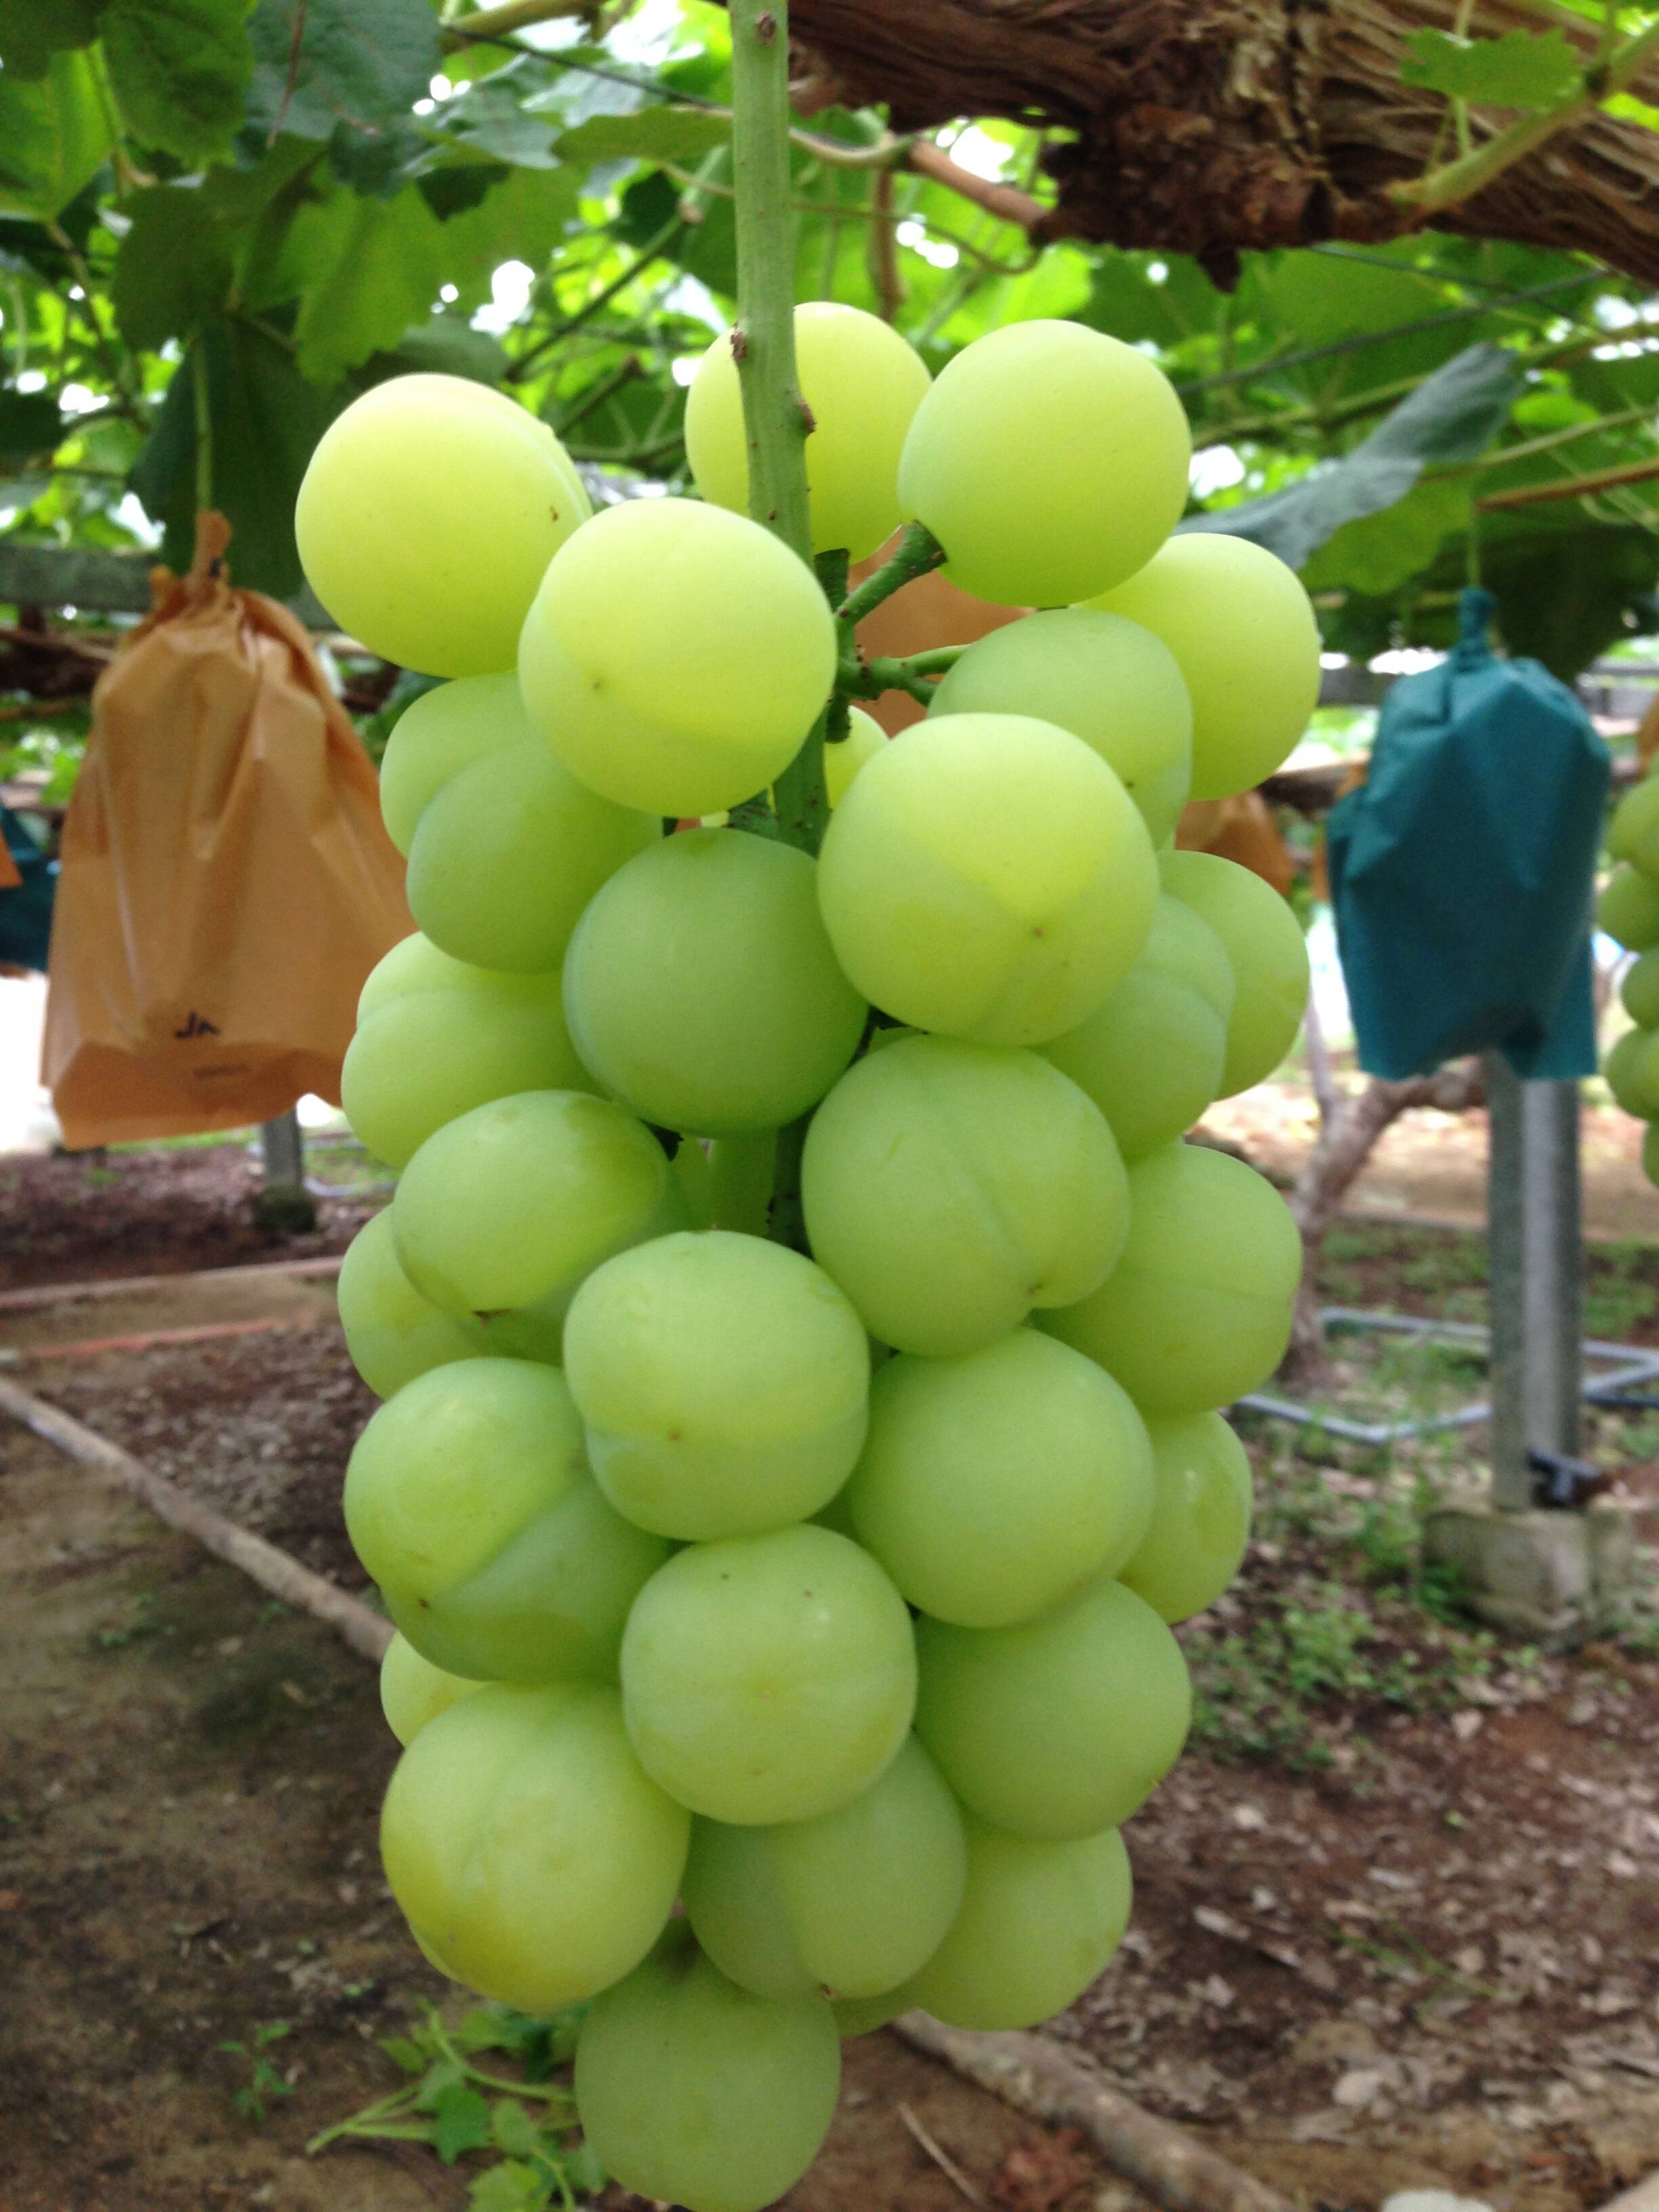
1628	912
784	1613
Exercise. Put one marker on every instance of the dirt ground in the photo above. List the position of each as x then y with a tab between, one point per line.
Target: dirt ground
1429	1957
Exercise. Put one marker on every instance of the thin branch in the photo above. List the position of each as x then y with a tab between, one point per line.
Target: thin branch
1569	487
651	251
490	24
1007	201
1445	187
882	248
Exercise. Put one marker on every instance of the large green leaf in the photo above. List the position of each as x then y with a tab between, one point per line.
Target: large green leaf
1522	69
372	267
265	421
1454	415
654	134
33	31
173	269
179	70
53	136
318	64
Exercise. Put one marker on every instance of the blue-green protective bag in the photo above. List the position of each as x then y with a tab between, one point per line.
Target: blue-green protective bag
25	907
1461	870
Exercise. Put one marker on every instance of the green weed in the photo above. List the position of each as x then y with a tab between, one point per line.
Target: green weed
264	2083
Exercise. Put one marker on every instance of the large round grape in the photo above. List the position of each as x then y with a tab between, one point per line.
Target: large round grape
1633	832
987	875
414	1691
1631	1069
392	1334
843	760
1198	1310
850	1904
444	731
1037	1925
1639	992
1050	462
702	989
1062	1726
508	853
1152	1056
529	1852
1266	950
1108	681
512	1204
950	1188
695	2093
1195	1544
862	383
676	659
469	1501
1628	909
995	1485
1651	1154
768	1678
428	512
415	966
1245	635
724	1382
422	1059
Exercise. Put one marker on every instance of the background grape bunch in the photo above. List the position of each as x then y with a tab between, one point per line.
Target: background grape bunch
1628	912
819	1581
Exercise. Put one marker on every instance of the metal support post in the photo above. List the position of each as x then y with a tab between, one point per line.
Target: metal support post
1535	1275
284	1204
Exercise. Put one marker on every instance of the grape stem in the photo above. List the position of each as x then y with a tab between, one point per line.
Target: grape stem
856	679
917	553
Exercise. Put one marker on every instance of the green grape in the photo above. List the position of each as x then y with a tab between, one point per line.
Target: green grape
702	989
508	853
1245	635
694	2092
862	2015
1631	1069
414	1691
1037	1926
420	1060
768	1678
862	384
1634	833
428	512
1062	1726
414	967
987	876
950	1188
1198	1310
391	1332
724	1382
512	1204
1267	951
850	1904
842	761
1049	461
531	1857
1628	909
995	1485
469	1501
1651	1154
1107	681
677	657
444	731
1200	1521
1152	1056
1639	992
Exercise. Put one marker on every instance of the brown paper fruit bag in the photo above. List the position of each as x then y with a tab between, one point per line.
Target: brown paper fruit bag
226	882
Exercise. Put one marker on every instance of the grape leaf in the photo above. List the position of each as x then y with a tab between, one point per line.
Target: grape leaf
53	136
460	2122
655	133
1523	68
30	424
179	71
319	62
30	34
371	268
173	269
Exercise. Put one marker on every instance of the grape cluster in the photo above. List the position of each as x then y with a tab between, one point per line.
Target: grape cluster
1628	912
827	1597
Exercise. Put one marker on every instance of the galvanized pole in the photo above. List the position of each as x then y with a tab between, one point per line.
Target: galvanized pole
1534	1259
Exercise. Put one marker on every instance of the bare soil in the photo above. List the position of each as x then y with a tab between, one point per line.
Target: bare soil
1432	1961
